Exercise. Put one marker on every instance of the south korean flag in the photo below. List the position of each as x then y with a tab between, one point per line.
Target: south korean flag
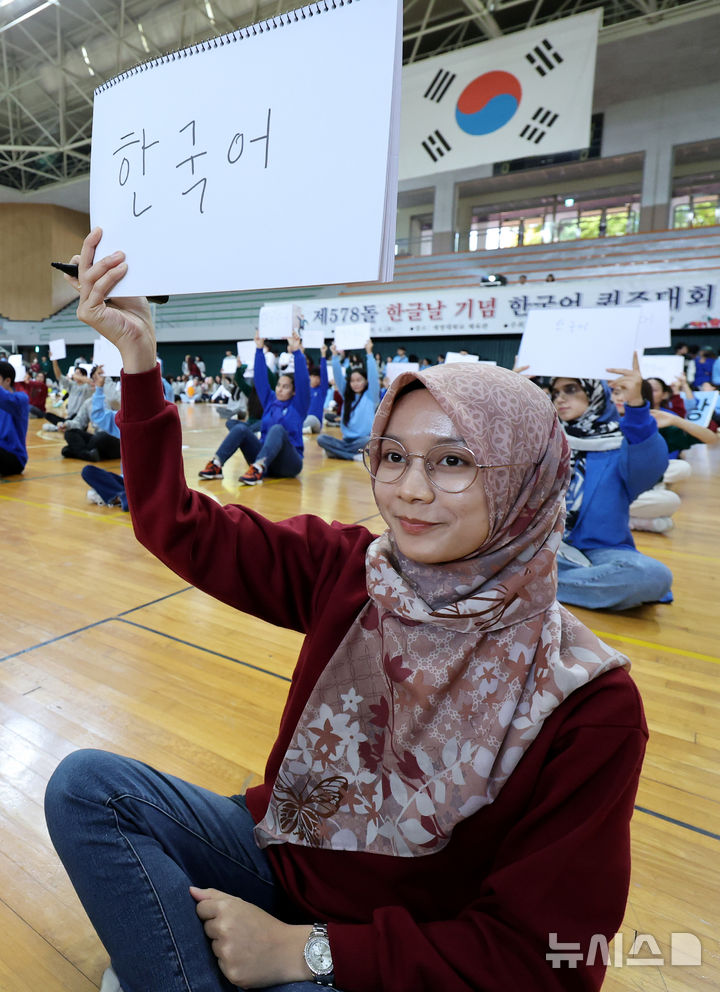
528	94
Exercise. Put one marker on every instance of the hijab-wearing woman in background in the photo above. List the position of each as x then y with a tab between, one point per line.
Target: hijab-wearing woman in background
613	460
446	804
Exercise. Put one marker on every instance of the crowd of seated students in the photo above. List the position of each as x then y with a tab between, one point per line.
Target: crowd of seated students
598	547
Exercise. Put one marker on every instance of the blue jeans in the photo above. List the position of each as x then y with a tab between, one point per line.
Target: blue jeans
281	457
108	485
132	840
618	579
340	448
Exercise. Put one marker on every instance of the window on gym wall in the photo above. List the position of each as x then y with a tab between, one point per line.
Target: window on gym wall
701	210
565	220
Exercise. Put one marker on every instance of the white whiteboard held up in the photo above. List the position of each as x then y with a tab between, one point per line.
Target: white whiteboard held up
246	353
458	356
581	343
106	354
394	369
57	350
665	367
196	156
229	365
654	325
276	321
313	337
352	337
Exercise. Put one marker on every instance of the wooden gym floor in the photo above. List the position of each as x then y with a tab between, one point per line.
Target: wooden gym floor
102	646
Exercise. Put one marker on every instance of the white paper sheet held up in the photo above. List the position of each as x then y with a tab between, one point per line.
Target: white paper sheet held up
580	343
394	369
246	353
227	166
452	357
106	354
352	337
57	350
665	367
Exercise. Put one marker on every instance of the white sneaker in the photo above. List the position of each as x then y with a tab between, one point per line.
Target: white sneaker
110	982
49	427
658	525
93	497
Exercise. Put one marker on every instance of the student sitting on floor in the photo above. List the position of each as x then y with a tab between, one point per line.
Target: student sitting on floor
612	462
106	488
14	418
360	400
319	385
104	443
279	449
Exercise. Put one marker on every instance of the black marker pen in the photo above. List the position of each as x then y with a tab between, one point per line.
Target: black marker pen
72	270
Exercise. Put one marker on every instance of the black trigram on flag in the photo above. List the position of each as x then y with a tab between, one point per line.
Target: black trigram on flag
544	58
542	120
439	86
436	146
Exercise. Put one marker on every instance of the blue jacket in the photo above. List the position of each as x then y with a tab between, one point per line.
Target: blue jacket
14	413
613	479
319	394
101	416
363	409
291	413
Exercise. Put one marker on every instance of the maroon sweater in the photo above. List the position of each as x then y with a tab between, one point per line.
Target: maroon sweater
551	855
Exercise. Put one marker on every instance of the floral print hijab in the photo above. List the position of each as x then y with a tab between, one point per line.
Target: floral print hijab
447	675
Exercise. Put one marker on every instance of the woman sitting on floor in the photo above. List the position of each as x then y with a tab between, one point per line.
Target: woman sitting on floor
612	462
447	801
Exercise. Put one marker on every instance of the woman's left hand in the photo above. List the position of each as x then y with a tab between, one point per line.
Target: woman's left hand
294	342
253	948
664	419
630	382
369	346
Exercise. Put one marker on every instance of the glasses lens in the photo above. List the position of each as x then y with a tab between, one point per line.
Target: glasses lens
385	459
451	467
568	390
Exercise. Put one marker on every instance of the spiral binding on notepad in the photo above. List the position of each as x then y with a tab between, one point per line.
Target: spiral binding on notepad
240	34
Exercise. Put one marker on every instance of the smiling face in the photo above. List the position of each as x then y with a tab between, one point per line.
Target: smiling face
428	525
285	388
569	398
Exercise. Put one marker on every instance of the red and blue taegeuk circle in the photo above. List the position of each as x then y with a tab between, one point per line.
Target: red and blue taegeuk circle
488	102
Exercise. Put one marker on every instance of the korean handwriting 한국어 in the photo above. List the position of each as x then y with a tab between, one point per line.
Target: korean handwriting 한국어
137	167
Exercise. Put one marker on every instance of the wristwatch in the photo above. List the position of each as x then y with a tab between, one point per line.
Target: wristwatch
318	956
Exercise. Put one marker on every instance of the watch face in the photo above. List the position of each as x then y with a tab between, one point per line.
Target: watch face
318	956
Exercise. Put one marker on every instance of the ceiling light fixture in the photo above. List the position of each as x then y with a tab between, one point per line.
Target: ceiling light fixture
143	39
86	60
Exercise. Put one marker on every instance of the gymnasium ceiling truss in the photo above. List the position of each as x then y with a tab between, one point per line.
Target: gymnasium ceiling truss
55	52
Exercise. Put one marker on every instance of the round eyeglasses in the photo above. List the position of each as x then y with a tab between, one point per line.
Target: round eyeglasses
571	389
451	468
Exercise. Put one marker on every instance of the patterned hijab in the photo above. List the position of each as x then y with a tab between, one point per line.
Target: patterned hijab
446	677
596	430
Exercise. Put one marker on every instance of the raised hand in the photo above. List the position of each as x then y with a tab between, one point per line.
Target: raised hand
126	321
630	382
